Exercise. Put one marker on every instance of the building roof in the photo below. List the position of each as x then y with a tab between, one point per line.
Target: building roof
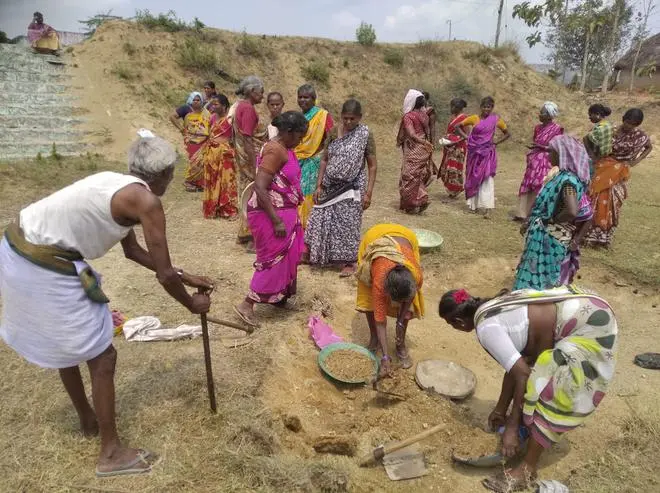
649	54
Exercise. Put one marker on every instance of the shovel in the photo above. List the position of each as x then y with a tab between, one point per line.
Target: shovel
377	454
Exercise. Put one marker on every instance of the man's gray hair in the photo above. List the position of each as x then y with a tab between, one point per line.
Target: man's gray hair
249	84
150	156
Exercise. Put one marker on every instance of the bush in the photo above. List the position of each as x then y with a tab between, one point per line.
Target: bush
129	48
4	38
460	87
194	56
393	57
365	34
316	71
483	54
125	72
250	46
168	22
508	48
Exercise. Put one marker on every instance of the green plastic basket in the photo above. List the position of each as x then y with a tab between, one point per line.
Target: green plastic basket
428	240
331	348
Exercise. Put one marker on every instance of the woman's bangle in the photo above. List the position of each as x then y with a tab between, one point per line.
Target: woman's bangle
386	358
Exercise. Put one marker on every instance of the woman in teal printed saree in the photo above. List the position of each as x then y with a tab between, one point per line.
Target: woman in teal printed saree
558	219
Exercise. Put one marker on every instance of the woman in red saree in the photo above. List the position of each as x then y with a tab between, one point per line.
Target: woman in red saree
414	138
272	214
608	189
454	152
220	191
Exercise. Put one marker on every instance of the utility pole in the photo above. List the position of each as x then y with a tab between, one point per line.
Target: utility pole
449	22
499	23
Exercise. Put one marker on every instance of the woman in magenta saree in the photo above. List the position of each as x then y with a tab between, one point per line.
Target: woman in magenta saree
272	215
481	163
538	159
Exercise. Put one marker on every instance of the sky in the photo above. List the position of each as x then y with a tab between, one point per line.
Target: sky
393	20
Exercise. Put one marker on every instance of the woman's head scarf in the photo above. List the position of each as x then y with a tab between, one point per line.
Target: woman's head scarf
573	156
410	100
551	109
192	96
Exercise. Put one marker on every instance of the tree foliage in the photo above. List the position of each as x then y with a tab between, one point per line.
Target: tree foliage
535	14
365	34
580	37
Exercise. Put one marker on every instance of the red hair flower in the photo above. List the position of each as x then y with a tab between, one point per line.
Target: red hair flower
461	296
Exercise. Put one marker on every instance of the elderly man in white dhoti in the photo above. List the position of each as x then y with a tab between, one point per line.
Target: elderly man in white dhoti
55	314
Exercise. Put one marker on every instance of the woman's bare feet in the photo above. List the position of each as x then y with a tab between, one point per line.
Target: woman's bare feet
373	344
124	461
404	357
245	311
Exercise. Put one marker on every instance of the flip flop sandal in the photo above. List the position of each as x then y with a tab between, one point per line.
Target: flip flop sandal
129	468
347	272
650	361
249	322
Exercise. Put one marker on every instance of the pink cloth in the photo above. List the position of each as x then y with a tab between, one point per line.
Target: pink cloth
37	31
276	267
482	156
538	160
321	332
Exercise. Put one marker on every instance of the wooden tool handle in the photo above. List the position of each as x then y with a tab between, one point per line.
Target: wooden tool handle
233	325
378	453
207	359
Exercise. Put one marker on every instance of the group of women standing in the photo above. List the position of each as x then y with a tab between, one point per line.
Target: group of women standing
614	152
470	154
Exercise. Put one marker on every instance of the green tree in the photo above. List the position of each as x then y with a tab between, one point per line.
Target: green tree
586	37
365	34
641	33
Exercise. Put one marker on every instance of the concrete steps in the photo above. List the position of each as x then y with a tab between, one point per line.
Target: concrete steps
36	109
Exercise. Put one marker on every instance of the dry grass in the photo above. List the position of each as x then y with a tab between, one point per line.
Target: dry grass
631	458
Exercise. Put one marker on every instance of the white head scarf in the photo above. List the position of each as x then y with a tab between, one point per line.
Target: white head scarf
410	100
551	108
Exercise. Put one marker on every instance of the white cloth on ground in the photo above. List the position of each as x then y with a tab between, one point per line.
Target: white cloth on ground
148	329
485	198
505	335
78	217
47	318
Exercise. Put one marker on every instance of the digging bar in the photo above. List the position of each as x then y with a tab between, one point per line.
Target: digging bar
207	359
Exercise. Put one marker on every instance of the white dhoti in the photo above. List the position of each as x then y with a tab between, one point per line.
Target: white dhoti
485	198
47	318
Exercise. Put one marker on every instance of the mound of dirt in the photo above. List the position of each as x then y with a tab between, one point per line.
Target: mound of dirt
129	77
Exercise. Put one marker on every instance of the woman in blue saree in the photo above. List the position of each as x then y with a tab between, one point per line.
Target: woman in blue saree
558	221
